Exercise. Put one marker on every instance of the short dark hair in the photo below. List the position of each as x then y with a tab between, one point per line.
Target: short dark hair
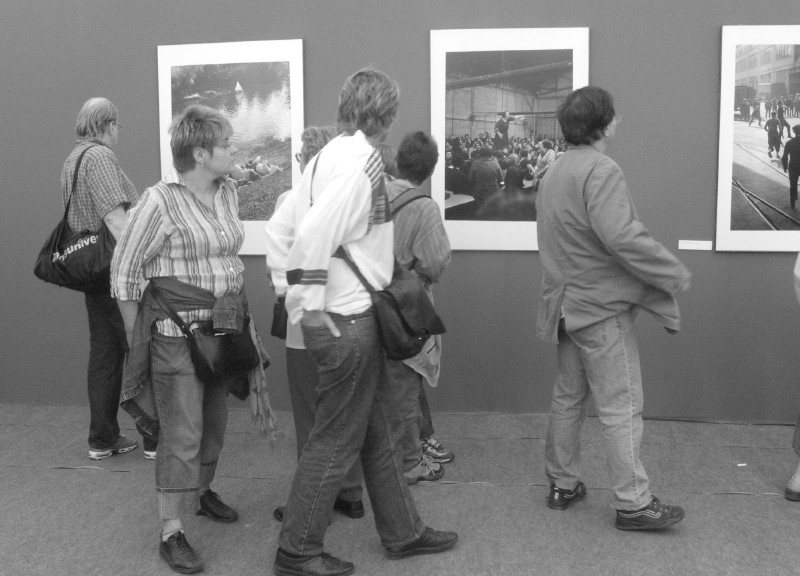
513	179
584	114
416	157
198	127
796	129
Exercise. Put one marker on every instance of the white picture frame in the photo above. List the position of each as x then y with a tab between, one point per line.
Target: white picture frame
752	189
266	111
497	235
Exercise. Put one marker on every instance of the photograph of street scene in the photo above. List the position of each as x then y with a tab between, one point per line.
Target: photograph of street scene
766	148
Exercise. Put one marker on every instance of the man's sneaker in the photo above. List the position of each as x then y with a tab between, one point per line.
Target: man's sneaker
431	542
179	555
121	446
561	498
435	451
322	565
425	471
654	516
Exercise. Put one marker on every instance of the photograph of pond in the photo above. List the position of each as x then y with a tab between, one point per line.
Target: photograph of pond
257	86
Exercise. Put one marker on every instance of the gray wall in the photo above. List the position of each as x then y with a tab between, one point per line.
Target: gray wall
736	358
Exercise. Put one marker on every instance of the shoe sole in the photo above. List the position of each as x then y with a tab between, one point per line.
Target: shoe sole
413	481
213	518
103	454
149	455
665	524
181	569
419	551
791	495
440	460
279	571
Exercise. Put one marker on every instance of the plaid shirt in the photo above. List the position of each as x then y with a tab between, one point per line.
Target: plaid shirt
101	185
171	233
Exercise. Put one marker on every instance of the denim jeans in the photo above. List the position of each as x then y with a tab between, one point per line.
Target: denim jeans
405	389
192	418
302	373
600	360
426	425
107	348
355	416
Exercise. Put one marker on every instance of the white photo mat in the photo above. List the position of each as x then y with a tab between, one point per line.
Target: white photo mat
745	171
268	51
494	235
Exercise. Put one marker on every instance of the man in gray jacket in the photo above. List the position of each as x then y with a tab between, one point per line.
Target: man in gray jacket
600	265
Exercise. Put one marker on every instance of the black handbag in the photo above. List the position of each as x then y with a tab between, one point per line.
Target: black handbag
280	317
78	261
215	355
406	316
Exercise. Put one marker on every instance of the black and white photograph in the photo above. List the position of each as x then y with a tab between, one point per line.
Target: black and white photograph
257	86
759	146
493	112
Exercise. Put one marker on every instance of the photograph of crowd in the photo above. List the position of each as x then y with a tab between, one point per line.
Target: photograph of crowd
498	124
759	139
253	85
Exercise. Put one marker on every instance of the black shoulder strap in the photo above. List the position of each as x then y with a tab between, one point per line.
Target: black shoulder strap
75	179
415	194
168	309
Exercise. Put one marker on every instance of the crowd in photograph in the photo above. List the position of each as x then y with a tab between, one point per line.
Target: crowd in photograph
501	173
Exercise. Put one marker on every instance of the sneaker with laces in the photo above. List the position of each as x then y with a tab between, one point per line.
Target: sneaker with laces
215	509
435	451
425	471
431	542
561	498
121	446
654	516
179	555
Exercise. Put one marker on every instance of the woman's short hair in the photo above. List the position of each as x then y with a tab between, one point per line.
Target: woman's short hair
198	127
368	102
584	114
314	138
387	157
513	179
416	157
94	117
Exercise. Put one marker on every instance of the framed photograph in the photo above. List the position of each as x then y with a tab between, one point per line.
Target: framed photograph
759	153
494	96
258	87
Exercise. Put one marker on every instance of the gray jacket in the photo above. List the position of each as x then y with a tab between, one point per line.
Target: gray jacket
597	259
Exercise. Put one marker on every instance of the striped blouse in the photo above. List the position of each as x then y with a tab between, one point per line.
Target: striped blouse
172	233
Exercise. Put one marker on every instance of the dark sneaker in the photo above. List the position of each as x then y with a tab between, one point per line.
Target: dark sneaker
654	516
179	555
431	542
121	446
424	471
561	498
215	509
350	508
435	451
322	565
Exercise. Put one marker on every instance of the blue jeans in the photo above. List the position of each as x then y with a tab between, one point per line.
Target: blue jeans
107	348
406	388
192	418
355	416
302	373
601	360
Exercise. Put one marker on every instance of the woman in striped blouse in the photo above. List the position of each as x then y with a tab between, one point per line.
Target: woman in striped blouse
184	238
